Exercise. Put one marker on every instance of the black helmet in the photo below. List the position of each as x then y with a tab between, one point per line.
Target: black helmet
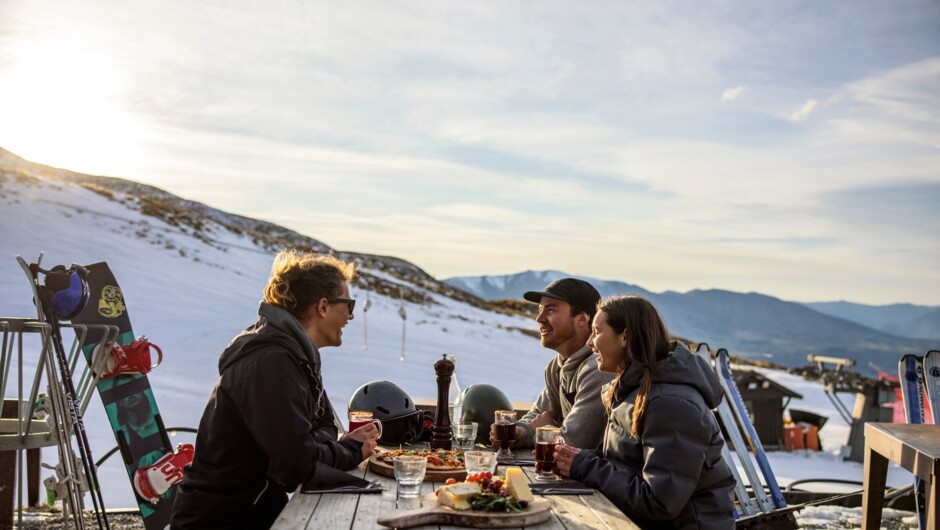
69	290
401	421
480	402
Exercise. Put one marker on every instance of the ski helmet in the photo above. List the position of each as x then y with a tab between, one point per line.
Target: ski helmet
69	289
480	402
402	422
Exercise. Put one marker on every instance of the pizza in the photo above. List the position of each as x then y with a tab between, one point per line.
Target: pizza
438	459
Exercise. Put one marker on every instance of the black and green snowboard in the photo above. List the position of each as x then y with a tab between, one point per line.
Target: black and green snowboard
128	399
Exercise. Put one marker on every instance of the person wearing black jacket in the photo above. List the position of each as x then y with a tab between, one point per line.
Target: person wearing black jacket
269	425
661	461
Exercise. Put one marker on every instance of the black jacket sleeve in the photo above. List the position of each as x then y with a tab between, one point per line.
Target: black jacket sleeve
274	400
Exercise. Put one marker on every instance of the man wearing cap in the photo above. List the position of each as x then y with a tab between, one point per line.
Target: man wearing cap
571	398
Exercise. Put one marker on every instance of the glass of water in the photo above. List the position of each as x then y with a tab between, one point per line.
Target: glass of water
465	434
479	461
409	472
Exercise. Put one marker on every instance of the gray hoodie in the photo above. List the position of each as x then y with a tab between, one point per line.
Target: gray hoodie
674	476
572	395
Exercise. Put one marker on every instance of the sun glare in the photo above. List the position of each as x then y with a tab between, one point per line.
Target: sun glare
63	105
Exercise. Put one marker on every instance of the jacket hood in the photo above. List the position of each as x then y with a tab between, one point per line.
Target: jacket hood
288	333
682	368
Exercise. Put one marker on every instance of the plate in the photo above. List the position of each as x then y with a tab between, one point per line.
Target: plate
537	512
432	475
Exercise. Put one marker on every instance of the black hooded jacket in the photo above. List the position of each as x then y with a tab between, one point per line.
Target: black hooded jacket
267	426
673	476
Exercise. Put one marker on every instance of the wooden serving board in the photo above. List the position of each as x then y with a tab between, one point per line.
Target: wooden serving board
537	512
431	475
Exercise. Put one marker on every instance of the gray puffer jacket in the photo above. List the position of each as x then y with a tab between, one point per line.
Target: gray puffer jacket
674	475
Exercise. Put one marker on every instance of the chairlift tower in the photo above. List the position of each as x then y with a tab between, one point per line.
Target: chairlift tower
837	377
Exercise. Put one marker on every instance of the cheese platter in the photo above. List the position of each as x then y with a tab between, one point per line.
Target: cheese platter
537	512
483	501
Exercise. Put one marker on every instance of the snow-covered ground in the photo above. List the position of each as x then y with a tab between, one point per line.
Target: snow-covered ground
191	298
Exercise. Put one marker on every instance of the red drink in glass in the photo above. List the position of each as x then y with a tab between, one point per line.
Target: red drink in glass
544	457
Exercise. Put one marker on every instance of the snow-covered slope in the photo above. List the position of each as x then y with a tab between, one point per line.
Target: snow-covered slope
191	297
190	290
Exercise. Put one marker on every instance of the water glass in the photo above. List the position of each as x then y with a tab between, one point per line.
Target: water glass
409	472
479	462
465	434
546	438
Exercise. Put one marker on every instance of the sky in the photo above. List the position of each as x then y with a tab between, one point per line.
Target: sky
788	148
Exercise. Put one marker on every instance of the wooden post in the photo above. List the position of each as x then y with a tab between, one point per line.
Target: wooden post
442	434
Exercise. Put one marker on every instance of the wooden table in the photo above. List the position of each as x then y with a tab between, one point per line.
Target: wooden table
916	448
346	510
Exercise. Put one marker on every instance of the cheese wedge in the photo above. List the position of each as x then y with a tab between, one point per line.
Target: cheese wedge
457	496
517	485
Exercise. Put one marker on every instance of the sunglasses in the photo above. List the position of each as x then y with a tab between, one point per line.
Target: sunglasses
351	303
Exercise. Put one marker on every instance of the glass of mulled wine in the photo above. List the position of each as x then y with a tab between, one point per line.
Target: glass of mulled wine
546	438
361	418
505	432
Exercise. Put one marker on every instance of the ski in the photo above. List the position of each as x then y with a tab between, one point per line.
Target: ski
753	442
911	374
43	299
121	367
760	501
932	382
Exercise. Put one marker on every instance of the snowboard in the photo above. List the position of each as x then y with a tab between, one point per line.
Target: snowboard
911	374
128	400
932	382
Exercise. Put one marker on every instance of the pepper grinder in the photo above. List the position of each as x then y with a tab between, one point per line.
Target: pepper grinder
442	434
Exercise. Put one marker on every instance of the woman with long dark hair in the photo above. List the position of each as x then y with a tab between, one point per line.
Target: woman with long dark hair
661	461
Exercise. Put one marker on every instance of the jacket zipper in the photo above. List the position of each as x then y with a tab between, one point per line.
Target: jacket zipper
258	498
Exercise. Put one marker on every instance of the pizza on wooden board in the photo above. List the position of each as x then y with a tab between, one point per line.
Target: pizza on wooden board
438	459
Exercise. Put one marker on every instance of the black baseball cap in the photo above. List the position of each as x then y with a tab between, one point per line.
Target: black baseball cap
578	293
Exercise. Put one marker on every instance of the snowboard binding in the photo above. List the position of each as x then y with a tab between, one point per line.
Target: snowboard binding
151	482
111	360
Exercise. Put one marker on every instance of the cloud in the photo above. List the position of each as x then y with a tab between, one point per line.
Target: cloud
731	94
801	114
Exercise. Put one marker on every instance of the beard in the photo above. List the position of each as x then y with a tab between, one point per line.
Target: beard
556	337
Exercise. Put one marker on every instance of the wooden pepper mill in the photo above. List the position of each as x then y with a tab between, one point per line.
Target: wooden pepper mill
442	434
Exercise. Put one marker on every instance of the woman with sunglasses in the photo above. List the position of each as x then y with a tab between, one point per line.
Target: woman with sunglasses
269	425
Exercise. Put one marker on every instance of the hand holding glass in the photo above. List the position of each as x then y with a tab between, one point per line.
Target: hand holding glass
360	418
505	432
546	438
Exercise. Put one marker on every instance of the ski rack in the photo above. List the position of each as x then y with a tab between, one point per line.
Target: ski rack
28	430
755	506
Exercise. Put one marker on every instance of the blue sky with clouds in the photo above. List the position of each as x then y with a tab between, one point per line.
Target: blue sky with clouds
790	148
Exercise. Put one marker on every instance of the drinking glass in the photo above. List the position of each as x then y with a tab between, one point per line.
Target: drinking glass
359	418
479	461
546	438
465	434
505	432
409	472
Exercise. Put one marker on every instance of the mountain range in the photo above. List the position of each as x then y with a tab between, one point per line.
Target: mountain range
756	325
113	210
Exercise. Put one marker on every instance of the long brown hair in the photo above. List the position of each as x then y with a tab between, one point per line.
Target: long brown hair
647	345
299	280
